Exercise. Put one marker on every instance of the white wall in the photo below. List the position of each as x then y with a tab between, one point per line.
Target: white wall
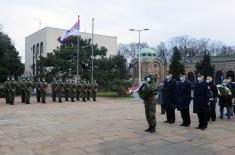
49	38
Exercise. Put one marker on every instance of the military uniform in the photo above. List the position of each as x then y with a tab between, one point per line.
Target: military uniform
38	90
149	89
12	92
88	91
72	91
66	90
60	88
84	91
28	89
22	90
94	88
43	88
6	87
78	91
54	86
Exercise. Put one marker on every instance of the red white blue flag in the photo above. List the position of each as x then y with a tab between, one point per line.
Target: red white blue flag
74	31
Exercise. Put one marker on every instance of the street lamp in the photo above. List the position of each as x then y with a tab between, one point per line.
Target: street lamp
139	50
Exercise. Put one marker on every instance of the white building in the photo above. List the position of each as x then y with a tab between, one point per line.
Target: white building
45	41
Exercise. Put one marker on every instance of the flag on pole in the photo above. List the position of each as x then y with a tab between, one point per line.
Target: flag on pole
74	31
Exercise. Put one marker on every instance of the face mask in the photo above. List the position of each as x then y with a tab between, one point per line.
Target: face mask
208	81
182	78
148	79
199	79
167	77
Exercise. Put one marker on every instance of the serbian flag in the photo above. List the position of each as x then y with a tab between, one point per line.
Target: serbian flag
74	31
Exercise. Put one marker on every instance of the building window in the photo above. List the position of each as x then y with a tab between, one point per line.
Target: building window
41	47
37	49
33	49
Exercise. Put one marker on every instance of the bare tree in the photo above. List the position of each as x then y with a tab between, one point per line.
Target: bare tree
130	51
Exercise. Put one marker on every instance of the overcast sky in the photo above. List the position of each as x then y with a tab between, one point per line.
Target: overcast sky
214	19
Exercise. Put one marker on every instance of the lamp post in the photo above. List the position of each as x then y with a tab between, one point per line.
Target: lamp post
139	50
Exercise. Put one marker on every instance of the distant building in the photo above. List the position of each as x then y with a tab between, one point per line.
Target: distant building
151	64
45	41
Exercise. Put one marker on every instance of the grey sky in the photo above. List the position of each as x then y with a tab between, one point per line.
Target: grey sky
213	19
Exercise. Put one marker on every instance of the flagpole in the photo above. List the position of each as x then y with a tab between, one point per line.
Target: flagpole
92	51
78	53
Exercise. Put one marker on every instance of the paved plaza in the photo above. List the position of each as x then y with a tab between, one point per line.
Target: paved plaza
106	127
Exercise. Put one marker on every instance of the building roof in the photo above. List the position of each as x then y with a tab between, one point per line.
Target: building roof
147	54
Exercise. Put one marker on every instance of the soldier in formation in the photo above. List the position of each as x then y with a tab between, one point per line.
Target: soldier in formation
43	89
84	91
54	86
78	90
6	87
60	89
38	90
94	88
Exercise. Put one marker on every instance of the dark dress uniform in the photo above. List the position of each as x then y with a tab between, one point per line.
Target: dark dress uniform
200	103
212	112
183	93
169	101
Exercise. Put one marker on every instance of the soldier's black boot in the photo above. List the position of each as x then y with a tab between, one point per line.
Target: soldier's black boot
27	102
152	129
147	130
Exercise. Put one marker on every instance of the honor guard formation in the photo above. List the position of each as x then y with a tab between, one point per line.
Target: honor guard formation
172	95
76	91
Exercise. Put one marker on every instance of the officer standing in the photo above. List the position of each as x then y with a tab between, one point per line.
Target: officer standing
28	89
88	91
183	93
6	87
94	88
12	89
84	91
43	88
213	99
22	89
54	90
147	92
72	90
78	90
200	102
38	89
66	90
60	89
169	101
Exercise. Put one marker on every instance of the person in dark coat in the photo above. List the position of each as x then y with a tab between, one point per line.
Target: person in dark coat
183	93
200	102
225	101
231	86
160	100
168	96
213	99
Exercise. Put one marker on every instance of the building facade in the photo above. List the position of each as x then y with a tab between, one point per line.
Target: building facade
45	41
151	64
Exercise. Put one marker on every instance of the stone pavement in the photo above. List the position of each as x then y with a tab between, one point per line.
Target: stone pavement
106	127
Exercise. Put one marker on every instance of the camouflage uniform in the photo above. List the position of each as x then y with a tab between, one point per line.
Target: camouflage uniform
88	91
43	88
28	89
22	90
94	87
38	90
54	86
150	104
72	90
84	91
78	90
12	92
60	88
6	86
66	90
